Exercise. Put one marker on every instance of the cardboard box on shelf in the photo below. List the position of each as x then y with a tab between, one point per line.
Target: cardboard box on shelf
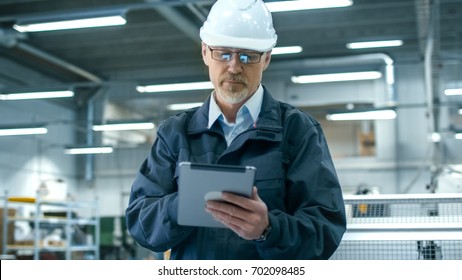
367	144
10	228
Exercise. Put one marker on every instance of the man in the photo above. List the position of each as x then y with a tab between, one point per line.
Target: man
296	210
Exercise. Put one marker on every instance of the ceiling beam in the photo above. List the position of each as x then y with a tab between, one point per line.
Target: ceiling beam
11	42
186	26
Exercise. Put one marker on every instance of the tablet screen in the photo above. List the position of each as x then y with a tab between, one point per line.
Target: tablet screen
201	182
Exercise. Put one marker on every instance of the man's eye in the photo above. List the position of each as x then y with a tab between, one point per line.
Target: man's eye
244	58
226	56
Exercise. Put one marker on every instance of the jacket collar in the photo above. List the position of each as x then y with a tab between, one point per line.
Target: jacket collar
269	118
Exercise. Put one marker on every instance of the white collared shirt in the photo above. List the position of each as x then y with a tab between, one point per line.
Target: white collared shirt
246	116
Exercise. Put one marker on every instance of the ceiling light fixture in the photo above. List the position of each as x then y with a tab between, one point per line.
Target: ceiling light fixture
375	44
124	126
336	77
453	91
460	111
71	24
23	131
183	106
36	95
286	6
88	150
458	136
286	50
386	114
175	87
435	137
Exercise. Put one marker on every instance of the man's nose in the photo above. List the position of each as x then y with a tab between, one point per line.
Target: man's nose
235	64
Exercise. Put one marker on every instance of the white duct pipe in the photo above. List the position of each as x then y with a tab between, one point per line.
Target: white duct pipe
428	78
362	59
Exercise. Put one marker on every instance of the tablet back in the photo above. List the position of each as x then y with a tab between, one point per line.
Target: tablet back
201	182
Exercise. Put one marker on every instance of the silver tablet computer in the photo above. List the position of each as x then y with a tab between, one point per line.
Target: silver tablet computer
201	182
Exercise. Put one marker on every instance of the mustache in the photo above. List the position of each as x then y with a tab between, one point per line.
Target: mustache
234	78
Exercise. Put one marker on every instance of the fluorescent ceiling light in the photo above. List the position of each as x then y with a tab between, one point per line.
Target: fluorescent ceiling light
175	87
286	50
458	136
89	150
285	6
123	126
375	44
36	95
453	91
23	131
435	137
366	115
183	106
336	77
71	24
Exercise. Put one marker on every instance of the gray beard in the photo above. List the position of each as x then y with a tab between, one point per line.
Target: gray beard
233	97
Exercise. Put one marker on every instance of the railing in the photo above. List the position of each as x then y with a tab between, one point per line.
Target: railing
413	226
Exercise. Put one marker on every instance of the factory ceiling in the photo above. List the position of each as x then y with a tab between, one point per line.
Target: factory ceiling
160	43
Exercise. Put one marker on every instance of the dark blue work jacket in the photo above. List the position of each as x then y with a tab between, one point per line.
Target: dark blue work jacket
295	178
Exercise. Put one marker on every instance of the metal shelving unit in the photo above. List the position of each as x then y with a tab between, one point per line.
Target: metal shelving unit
66	223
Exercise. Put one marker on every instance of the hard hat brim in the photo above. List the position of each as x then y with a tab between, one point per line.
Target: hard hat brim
254	44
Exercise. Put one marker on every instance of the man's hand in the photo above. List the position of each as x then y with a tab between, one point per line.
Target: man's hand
248	217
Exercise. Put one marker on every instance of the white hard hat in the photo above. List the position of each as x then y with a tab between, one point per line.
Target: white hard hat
243	24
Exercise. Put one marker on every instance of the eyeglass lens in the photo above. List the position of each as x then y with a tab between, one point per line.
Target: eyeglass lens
228	56
243	57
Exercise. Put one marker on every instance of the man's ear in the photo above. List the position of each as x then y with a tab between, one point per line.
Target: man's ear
204	53
267	60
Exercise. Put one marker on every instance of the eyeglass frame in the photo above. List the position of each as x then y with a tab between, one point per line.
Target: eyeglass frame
233	54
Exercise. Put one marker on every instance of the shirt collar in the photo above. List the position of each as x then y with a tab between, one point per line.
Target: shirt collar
253	105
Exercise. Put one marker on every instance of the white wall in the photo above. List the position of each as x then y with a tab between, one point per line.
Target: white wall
25	161
113	178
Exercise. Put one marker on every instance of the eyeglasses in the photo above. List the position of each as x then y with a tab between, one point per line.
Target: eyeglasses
226	56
